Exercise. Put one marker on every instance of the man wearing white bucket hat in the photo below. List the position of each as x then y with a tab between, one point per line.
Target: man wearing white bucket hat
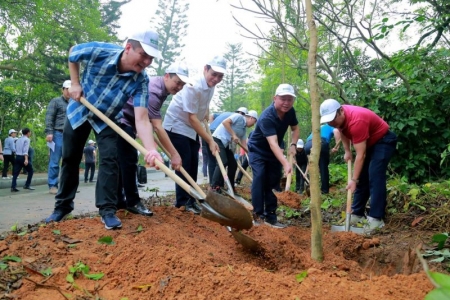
160	87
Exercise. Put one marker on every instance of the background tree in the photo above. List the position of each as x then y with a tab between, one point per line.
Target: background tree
232	89
171	24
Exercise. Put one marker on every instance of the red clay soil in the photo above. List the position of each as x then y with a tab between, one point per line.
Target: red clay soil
181	256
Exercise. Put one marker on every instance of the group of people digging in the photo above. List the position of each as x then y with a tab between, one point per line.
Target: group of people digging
114	81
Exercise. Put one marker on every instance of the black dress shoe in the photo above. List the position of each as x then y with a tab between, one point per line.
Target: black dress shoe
14	190
191	208
140	185
29	188
140	208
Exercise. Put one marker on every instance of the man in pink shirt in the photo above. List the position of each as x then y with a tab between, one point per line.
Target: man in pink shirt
374	145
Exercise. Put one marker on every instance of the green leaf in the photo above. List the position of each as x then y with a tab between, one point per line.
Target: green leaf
438	294
440	238
139	229
71	245
47	272
385	20
301	276
69	278
22	233
3	266
108	240
441	279
12	258
57	232
14	227
94	276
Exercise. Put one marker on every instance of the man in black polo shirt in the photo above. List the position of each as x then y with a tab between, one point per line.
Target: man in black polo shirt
266	156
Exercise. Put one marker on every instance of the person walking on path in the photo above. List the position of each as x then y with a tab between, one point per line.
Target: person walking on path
89	155
54	126
232	130
111	75
183	123
9	152
266	155
22	161
160	87
302	161
326	133
374	145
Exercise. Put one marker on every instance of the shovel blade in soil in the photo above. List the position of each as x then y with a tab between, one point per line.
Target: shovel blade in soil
233	213
241	200
358	230
246	241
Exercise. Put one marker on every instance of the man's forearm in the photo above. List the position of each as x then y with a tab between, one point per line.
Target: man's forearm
163	137
197	126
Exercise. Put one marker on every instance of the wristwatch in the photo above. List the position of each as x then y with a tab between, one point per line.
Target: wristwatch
355	180
293	144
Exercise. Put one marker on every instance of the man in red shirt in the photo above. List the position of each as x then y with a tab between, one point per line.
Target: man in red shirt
374	145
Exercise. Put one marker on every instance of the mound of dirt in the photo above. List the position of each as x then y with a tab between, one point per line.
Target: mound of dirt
177	255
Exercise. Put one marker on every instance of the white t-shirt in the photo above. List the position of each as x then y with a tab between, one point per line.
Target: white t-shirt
193	99
237	124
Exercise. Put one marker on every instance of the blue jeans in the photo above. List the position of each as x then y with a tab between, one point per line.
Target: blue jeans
372	181
266	176
55	157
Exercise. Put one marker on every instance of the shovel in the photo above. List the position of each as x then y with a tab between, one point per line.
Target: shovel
230	191
348	210
224	211
307	187
244	172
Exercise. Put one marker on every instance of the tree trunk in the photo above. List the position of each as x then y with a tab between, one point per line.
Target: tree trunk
316	215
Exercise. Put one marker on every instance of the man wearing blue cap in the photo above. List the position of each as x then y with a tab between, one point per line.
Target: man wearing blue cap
111	75
266	155
160	87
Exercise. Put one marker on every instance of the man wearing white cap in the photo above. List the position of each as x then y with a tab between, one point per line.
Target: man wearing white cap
212	162
54	126
160	87
89	158
111	75
9	151
231	131
266	155
374	145
302	162
183	123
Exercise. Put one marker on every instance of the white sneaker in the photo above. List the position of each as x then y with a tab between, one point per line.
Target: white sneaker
5	177
53	190
355	219
372	225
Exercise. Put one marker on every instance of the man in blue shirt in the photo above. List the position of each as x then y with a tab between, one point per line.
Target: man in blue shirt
9	151
326	133
23	160
266	156
111	75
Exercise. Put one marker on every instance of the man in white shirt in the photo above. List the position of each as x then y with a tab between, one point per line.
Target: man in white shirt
183	123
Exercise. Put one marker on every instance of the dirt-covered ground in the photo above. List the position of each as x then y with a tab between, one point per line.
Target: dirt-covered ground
176	255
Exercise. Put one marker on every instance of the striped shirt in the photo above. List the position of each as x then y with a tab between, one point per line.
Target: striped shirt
10	146
103	85
22	145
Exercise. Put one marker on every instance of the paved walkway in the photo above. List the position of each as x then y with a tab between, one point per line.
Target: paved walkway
31	207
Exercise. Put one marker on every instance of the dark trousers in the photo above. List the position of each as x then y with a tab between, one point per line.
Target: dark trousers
6	160
244	163
19	164
128	159
205	155
227	157
108	173
212	163
324	161
299	179
266	176
87	167
188	150
372	180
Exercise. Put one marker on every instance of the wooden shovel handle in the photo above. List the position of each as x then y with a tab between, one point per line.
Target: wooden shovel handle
289	176
349	192
135	144
303	174
244	172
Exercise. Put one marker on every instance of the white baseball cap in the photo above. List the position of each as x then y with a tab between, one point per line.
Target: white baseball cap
300	143
242	110
149	42
285	89
328	110
91	142
253	114
181	69
67	84
218	64
11	131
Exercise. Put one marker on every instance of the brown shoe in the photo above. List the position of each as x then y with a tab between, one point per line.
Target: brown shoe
53	190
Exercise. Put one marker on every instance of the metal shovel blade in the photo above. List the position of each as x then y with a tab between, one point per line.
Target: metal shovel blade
233	211
241	200
246	241
358	230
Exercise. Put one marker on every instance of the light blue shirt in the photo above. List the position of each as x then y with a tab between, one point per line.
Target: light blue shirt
238	125
22	145
103	85
9	146
326	132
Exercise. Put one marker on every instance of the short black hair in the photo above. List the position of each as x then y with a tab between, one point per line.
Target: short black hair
134	44
25	130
